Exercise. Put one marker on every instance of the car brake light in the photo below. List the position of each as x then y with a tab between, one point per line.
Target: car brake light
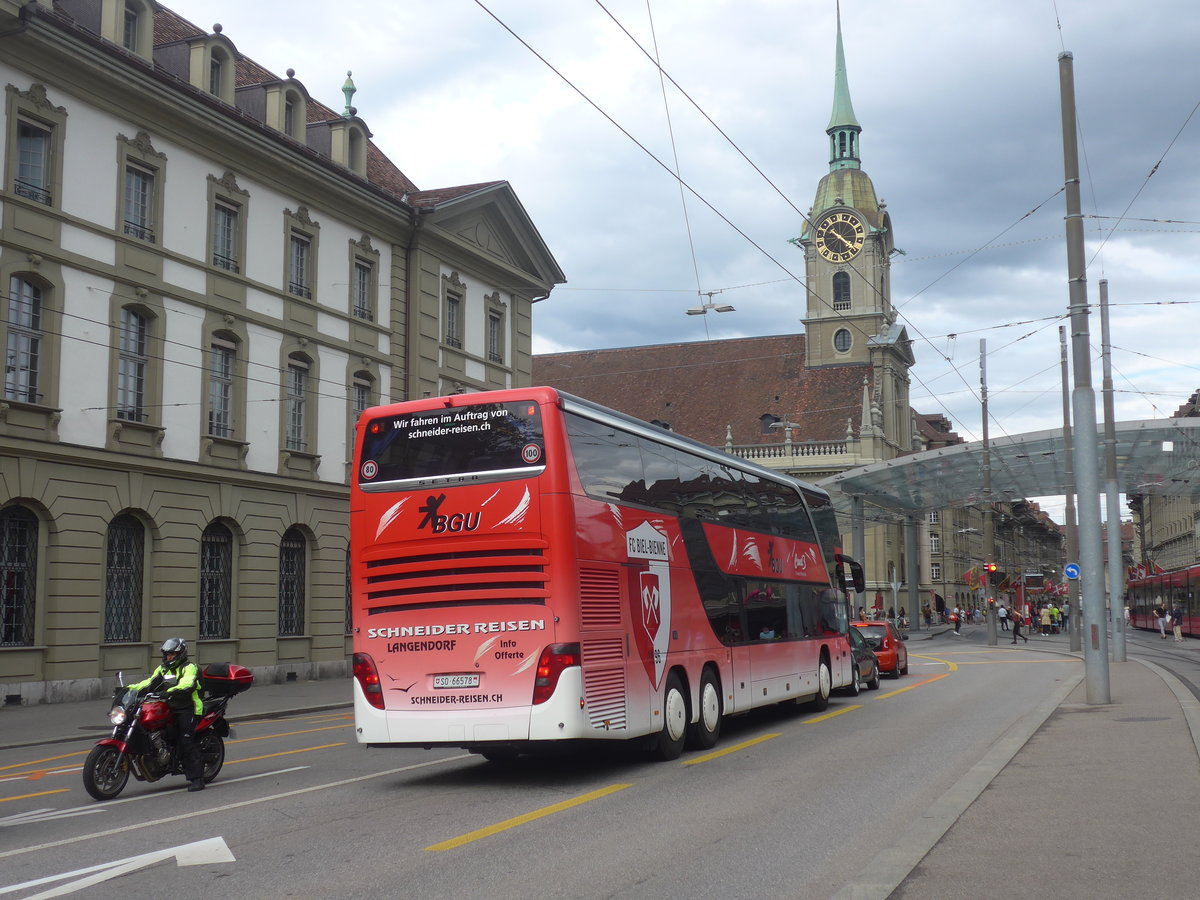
368	678
554	659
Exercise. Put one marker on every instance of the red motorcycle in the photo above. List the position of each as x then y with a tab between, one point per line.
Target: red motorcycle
143	739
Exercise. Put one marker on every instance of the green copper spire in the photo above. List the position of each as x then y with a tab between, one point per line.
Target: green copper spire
843	128
348	89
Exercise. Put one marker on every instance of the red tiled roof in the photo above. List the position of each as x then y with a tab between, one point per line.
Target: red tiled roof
700	389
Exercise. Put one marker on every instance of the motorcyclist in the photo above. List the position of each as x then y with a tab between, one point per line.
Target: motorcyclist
182	687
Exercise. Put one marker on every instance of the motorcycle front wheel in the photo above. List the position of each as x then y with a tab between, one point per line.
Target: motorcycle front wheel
212	754
105	772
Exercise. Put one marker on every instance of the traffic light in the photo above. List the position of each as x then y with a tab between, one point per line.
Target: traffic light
991	567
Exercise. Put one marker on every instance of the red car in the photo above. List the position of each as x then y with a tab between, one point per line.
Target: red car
888	644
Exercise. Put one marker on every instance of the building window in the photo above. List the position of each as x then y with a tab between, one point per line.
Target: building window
132	360
291	583
935	517
214	75
935	542
453	320
18	576
298	265
22	361
225	238
495	336
360	400
227	228
841	290
139	203
296	404
216	581
301	235
364	307
34	141
123	573
222	356
842	340
935	571
129	37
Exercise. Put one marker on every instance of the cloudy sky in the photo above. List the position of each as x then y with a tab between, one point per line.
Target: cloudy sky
962	135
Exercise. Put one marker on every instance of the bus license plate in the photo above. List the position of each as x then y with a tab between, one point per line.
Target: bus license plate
456	681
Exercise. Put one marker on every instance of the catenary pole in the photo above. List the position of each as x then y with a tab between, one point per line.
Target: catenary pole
1116	571
989	535
1075	621
1083	407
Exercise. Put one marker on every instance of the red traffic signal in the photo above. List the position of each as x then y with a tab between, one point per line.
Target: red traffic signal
991	567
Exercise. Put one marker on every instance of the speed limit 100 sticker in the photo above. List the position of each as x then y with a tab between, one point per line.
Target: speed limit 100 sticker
370	469
531	453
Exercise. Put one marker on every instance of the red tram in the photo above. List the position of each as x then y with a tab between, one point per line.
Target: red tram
1144	591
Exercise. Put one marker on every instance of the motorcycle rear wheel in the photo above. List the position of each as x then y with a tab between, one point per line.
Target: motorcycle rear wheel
212	754
105	772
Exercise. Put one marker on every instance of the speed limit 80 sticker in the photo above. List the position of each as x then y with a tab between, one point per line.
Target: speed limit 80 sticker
370	469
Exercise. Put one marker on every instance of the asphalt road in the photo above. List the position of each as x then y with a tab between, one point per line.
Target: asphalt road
789	804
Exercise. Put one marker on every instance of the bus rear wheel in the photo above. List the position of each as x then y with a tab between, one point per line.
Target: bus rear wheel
704	734
675	720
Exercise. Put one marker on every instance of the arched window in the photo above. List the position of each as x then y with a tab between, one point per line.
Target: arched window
841	290
18	576
216	581
292	567
123	576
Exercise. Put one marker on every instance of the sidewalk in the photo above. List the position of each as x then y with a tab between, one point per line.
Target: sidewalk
87	720
1068	803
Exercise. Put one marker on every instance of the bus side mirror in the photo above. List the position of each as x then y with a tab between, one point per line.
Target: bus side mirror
850	574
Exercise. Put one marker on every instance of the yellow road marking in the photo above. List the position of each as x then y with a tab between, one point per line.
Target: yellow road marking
267	737
34	762
725	751
27	796
909	687
283	753
525	819
937	659
829	715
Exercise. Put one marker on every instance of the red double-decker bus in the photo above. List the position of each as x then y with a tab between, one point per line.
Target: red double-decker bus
528	567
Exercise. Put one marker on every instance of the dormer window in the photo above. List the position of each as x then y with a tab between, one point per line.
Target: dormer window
213	60
129	23
214	76
129	36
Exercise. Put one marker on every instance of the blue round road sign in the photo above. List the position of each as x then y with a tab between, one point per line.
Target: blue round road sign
1071	571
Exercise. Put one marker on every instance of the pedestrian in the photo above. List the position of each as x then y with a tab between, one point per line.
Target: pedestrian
1016	620
956	620
1160	619
1046	619
1128	619
1177	623
1002	615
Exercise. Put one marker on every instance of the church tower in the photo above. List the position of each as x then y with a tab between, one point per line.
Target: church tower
847	241
848	245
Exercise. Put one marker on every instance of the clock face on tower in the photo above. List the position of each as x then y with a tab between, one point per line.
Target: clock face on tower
839	236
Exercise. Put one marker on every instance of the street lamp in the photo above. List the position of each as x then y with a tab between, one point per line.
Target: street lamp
705	307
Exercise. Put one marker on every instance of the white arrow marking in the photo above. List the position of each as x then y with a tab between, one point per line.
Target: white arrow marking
199	853
43	815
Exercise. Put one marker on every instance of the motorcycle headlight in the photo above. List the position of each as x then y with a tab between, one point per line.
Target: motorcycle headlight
117	715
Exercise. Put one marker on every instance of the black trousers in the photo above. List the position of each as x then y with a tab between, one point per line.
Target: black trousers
189	754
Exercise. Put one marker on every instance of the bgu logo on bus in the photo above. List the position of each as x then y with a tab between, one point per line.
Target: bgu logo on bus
654	583
439	523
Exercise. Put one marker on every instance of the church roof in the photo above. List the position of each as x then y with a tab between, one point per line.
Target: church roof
701	389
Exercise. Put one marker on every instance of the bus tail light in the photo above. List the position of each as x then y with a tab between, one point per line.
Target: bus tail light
368	679
554	658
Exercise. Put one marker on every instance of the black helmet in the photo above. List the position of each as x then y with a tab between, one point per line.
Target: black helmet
174	652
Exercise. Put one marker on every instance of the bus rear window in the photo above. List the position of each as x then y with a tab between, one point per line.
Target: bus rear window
461	440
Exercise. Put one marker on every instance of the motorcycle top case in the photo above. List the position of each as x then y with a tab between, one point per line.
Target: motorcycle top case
226	679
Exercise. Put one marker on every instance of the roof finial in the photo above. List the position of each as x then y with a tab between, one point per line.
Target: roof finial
348	89
843	129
